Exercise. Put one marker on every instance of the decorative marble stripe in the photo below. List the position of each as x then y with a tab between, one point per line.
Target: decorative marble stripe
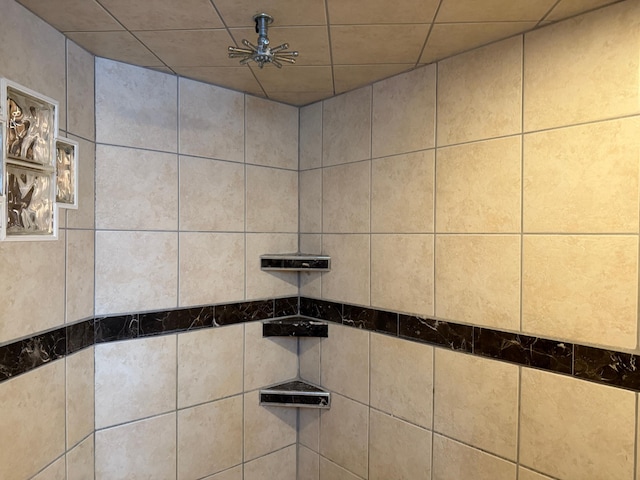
599	365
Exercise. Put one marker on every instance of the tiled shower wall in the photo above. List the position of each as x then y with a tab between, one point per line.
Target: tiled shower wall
44	285
497	188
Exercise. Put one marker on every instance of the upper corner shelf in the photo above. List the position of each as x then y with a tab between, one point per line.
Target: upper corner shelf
296	262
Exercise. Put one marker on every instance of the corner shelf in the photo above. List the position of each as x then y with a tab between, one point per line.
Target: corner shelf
295	327
295	262
295	393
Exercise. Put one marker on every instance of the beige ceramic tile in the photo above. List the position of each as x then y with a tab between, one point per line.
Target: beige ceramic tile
55	471
309	428
402	193
346	127
361	44
266	284
310	282
478	187
456	460
267	361
84	216
79	276
344	435
136	189
139	450
311	137
404	113
308	464
309	358
40	266
234	473
493	107
350	276
346	198
80	396
87	16
526	474
477	279
492	11
136	271
80	92
33	411
128	95
575	83
448	39
41	54
582	288
211	121
345	362
397	449
272	200
597	422
209	438
134	379
211	268
182	48
299	99
476	402
402	379
212	195
198	351
235	77
116	45
350	12
298	79
80	461
311	201
350	77
266	429
402	274
164	14
331	471
239	13
568	8
280	465
271	134
583	179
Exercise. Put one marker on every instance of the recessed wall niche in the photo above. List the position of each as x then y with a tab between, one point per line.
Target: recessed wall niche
39	168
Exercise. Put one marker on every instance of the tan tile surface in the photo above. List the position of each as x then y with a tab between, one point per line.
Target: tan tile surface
164	14
597	424
310	155
234	77
268	284
87	15
239	13
79	276
349	278
478	187
81	460
119	45
492	10
267	429
272	200
492	107
349	12
478	279
80	396
575	83
346	198
404	113
582	288
311	201
350	77
280	465
583	179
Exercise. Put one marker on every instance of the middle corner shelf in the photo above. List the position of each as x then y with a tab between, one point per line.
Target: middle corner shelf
295	326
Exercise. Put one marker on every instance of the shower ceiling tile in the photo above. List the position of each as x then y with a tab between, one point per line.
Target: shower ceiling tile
239	78
372	44
351	12
312	42
87	15
165	14
183	48
300	98
121	46
239	13
493	10
452	38
568	8
350	77
295	79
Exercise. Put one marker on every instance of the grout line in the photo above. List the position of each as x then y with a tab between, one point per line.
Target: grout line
635	451
522	100
434	215
518	418
433	406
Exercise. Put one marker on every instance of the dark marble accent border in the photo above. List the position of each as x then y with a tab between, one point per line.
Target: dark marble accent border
603	366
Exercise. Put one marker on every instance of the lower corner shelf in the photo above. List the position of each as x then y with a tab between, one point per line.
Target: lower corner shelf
295	393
